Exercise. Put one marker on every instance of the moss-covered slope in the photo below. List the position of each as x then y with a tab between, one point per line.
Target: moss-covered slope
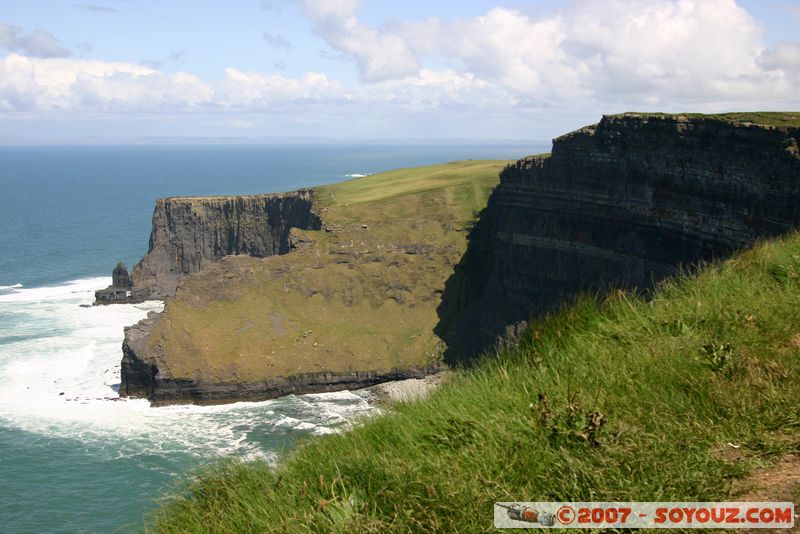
350	304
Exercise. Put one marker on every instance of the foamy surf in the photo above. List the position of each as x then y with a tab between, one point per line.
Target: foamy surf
8	288
357	175
59	375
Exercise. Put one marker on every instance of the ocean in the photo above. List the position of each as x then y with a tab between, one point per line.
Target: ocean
73	456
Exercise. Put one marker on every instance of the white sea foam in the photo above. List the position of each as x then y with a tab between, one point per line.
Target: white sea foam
59	367
357	175
4	289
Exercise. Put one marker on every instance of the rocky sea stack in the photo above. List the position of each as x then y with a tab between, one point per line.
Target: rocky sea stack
119	292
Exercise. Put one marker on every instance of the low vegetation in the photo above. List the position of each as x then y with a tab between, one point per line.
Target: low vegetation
620	398
765	118
372	277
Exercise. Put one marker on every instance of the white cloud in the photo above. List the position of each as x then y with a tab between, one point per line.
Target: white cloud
39	43
685	51
503	47
380	55
793	9
620	52
70	84
502	67
256	90
97	8
783	60
241	124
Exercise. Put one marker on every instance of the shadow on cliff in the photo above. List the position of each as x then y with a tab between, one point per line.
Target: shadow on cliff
458	312
475	317
478	316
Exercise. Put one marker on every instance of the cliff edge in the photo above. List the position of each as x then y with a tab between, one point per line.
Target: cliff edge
189	233
623	203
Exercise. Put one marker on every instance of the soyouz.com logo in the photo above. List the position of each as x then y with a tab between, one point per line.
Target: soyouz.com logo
644	515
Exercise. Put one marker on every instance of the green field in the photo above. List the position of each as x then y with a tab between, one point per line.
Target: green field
676	399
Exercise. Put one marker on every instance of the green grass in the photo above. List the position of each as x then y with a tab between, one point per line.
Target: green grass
766	118
409	181
710	360
372	278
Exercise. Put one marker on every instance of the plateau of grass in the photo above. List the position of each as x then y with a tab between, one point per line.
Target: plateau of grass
765	118
609	399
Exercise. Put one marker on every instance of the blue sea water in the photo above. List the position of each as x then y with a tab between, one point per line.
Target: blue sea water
73	456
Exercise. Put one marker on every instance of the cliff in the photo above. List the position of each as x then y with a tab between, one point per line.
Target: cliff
189	233
384	279
353	303
623	203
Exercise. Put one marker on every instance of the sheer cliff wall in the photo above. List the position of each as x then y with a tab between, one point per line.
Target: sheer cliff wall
623	203
188	233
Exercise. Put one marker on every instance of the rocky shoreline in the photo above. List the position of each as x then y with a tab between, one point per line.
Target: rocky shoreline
147	376
407	390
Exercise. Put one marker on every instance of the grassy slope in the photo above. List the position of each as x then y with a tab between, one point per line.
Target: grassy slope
711	360
315	309
766	118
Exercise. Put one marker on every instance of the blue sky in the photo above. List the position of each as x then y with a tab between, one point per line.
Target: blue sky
128	70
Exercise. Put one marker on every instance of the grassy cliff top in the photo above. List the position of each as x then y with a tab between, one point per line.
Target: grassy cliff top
764	118
206	198
372	278
679	398
409	181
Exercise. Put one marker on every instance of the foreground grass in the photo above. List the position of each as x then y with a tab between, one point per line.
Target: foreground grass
710	360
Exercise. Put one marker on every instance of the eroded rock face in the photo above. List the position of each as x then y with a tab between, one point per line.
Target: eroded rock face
138	370
623	203
188	233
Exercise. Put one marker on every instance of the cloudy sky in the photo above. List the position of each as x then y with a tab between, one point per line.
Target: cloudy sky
133	70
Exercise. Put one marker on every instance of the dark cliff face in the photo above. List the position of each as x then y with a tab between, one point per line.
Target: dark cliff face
624	203
191	232
138	372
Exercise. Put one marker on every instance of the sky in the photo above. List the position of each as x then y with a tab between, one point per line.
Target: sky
117	71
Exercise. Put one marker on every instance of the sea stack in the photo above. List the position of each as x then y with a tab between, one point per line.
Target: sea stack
120	289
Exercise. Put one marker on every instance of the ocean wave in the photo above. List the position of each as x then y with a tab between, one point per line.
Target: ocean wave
358	175
58	380
15	286
9	289
82	288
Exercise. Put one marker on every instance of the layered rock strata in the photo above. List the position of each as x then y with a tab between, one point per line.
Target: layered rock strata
189	233
624	203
